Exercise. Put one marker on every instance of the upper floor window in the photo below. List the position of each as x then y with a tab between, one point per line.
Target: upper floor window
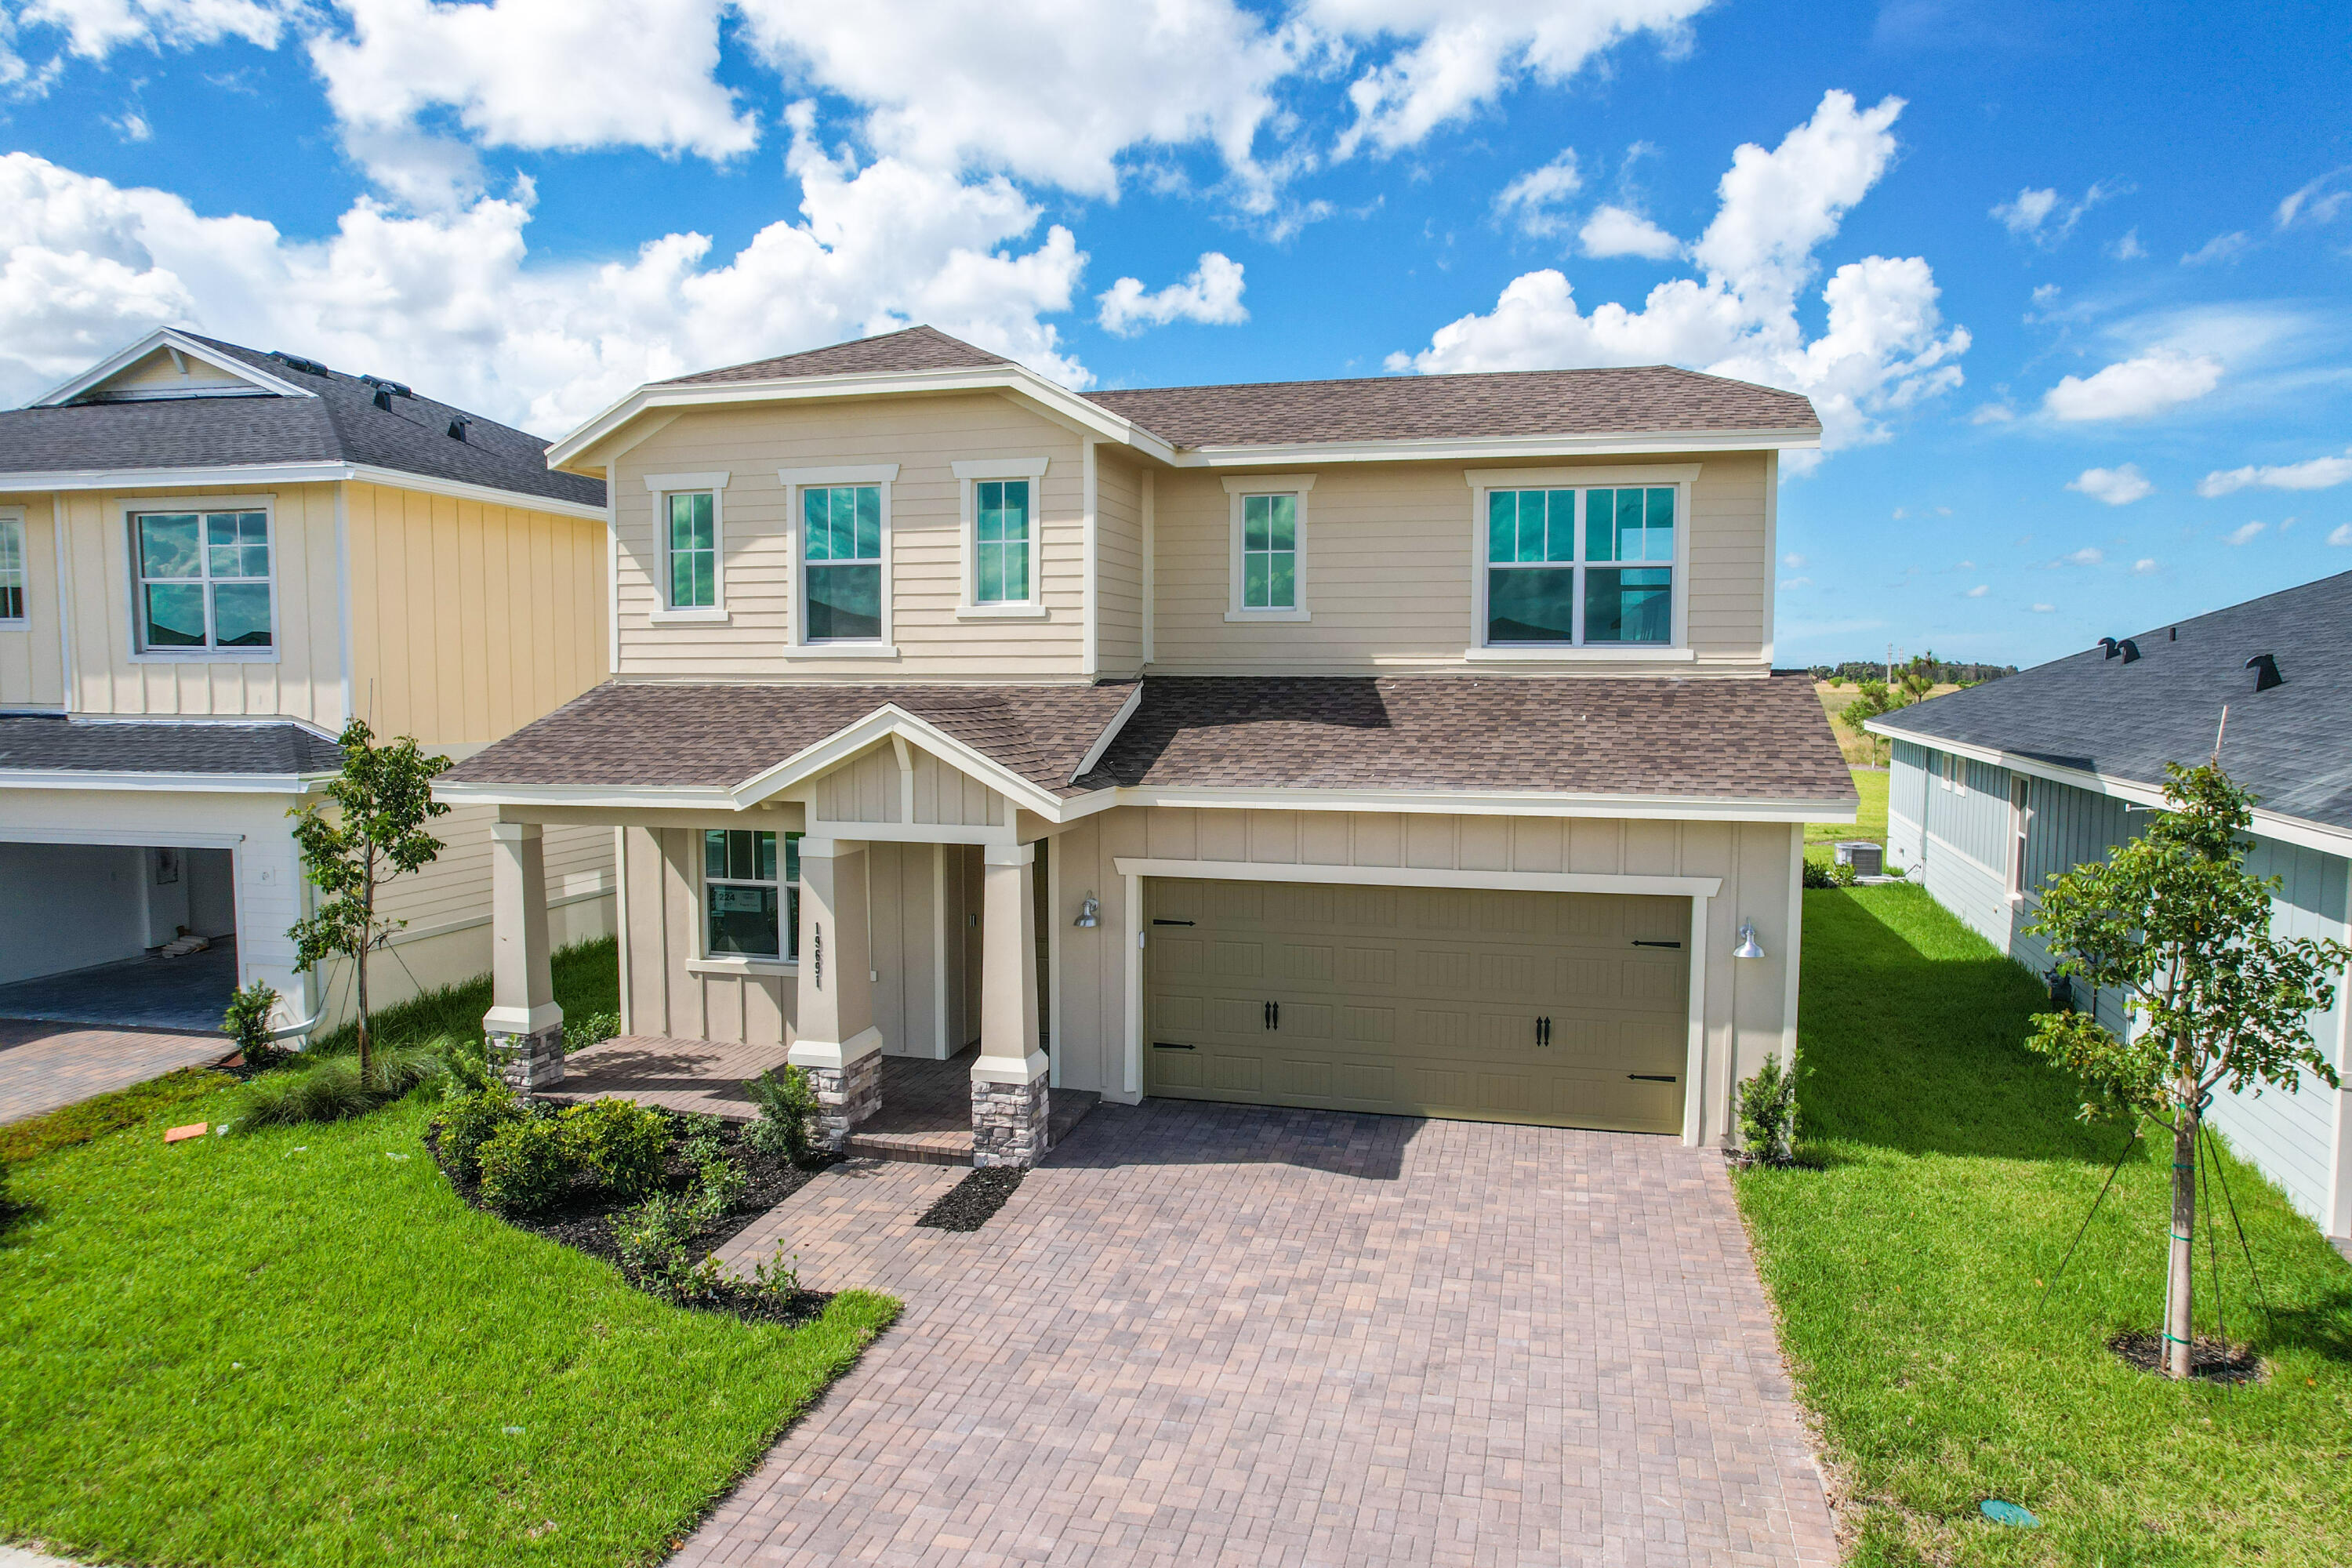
12	568
752	906
1000	542
842	542
204	580
693	550
1268	549
1580	567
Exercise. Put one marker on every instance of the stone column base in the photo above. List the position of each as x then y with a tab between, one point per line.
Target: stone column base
1009	1122
846	1096
528	1063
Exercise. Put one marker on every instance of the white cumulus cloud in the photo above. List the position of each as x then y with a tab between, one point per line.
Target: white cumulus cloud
2117	487
1212	294
2089	556
1885	347
449	302
1613	230
2342	534
1533	200
1980	591
94	28
2042	609
2134	388
2317	474
2143	567
2044	216
2245	533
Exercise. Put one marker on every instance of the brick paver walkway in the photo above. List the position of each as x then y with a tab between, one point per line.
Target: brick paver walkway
1221	1336
43	1065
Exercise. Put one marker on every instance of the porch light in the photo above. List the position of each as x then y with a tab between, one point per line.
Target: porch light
1748	947
1089	913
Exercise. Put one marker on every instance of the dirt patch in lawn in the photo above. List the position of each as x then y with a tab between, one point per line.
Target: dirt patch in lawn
2210	1359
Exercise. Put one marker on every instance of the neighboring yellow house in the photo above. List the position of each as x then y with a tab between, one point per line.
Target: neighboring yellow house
1403	744
209	558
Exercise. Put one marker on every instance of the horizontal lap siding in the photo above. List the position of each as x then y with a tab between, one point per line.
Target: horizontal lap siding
1387	577
32	672
1119	564
924	436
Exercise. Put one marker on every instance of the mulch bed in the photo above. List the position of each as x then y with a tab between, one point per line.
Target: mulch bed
973	1202
583	1222
2210	1359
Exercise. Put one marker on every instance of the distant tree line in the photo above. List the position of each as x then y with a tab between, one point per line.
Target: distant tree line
1939	671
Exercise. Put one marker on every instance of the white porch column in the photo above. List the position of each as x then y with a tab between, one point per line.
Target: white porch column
1010	1102
524	1021
836	1042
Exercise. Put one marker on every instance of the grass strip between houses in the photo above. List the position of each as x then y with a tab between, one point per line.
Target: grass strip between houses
1907	1273
300	1347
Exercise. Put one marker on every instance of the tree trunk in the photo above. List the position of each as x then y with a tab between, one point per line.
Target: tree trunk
359	962
2180	1281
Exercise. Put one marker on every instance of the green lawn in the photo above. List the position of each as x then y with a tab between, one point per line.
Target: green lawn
1869	820
298	1347
1907	1273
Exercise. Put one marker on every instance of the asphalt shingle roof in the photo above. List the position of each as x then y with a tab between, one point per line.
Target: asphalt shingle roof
1644	398
341	425
2292	745
1742	739
721	736
1556	734
45	743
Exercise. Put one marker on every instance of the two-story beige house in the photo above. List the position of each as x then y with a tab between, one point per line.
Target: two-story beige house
210	557
1405	745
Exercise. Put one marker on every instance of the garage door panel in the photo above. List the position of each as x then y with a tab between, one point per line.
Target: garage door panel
1425	1001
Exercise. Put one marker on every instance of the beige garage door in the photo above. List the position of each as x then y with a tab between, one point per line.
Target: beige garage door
1564	1008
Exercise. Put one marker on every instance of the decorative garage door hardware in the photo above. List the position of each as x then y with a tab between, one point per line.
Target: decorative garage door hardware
1169	1046
1639	942
1652	1077
1172	922
1543	1031
1274	1014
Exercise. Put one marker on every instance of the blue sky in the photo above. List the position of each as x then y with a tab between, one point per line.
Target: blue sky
2069	284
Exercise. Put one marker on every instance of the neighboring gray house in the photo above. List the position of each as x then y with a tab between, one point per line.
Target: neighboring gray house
1999	787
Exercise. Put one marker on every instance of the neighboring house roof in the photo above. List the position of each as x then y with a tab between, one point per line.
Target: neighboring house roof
657	735
1643	399
44	744
338	422
2125	719
1746	740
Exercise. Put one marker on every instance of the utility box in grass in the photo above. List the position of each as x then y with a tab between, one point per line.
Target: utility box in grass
1867	859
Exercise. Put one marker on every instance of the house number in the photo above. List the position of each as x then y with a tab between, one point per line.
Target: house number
817	951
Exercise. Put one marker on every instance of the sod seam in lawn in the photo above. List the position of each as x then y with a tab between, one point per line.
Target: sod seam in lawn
1907	1276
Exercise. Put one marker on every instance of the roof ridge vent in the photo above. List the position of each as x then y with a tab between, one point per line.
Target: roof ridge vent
2267	671
2130	649
459	425
296	362
2112	646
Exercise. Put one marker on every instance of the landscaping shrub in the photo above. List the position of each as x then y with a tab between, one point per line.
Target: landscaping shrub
786	1103
719	1184
526	1165
393	1070
592	1029
777	1280
247	1023
469	1120
622	1144
652	1241
1767	1112
328	1091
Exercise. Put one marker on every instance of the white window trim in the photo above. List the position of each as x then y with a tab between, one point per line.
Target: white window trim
127	513
2020	825
664	486
16	514
968	475
1681	477
794	480
1238	489
700	960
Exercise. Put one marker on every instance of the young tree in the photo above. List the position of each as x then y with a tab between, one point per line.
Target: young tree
2213	997
382	800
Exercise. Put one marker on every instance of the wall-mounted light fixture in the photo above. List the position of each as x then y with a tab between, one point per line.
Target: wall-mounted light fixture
1749	946
1089	913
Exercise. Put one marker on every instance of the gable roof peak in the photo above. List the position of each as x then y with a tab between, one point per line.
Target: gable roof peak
915	348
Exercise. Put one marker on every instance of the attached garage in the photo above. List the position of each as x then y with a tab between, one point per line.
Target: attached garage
1563	1009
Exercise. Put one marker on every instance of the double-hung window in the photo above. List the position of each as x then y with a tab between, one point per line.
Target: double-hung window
203	580
1580	567
752	900
693	550
12	568
842	557
1267	563
1000	541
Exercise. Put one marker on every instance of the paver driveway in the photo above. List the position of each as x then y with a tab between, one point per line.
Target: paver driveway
43	1065
1224	1335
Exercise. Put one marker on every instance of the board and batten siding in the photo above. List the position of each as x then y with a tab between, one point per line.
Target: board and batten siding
1960	843
470	619
32	666
301	678
924	436
1387	571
